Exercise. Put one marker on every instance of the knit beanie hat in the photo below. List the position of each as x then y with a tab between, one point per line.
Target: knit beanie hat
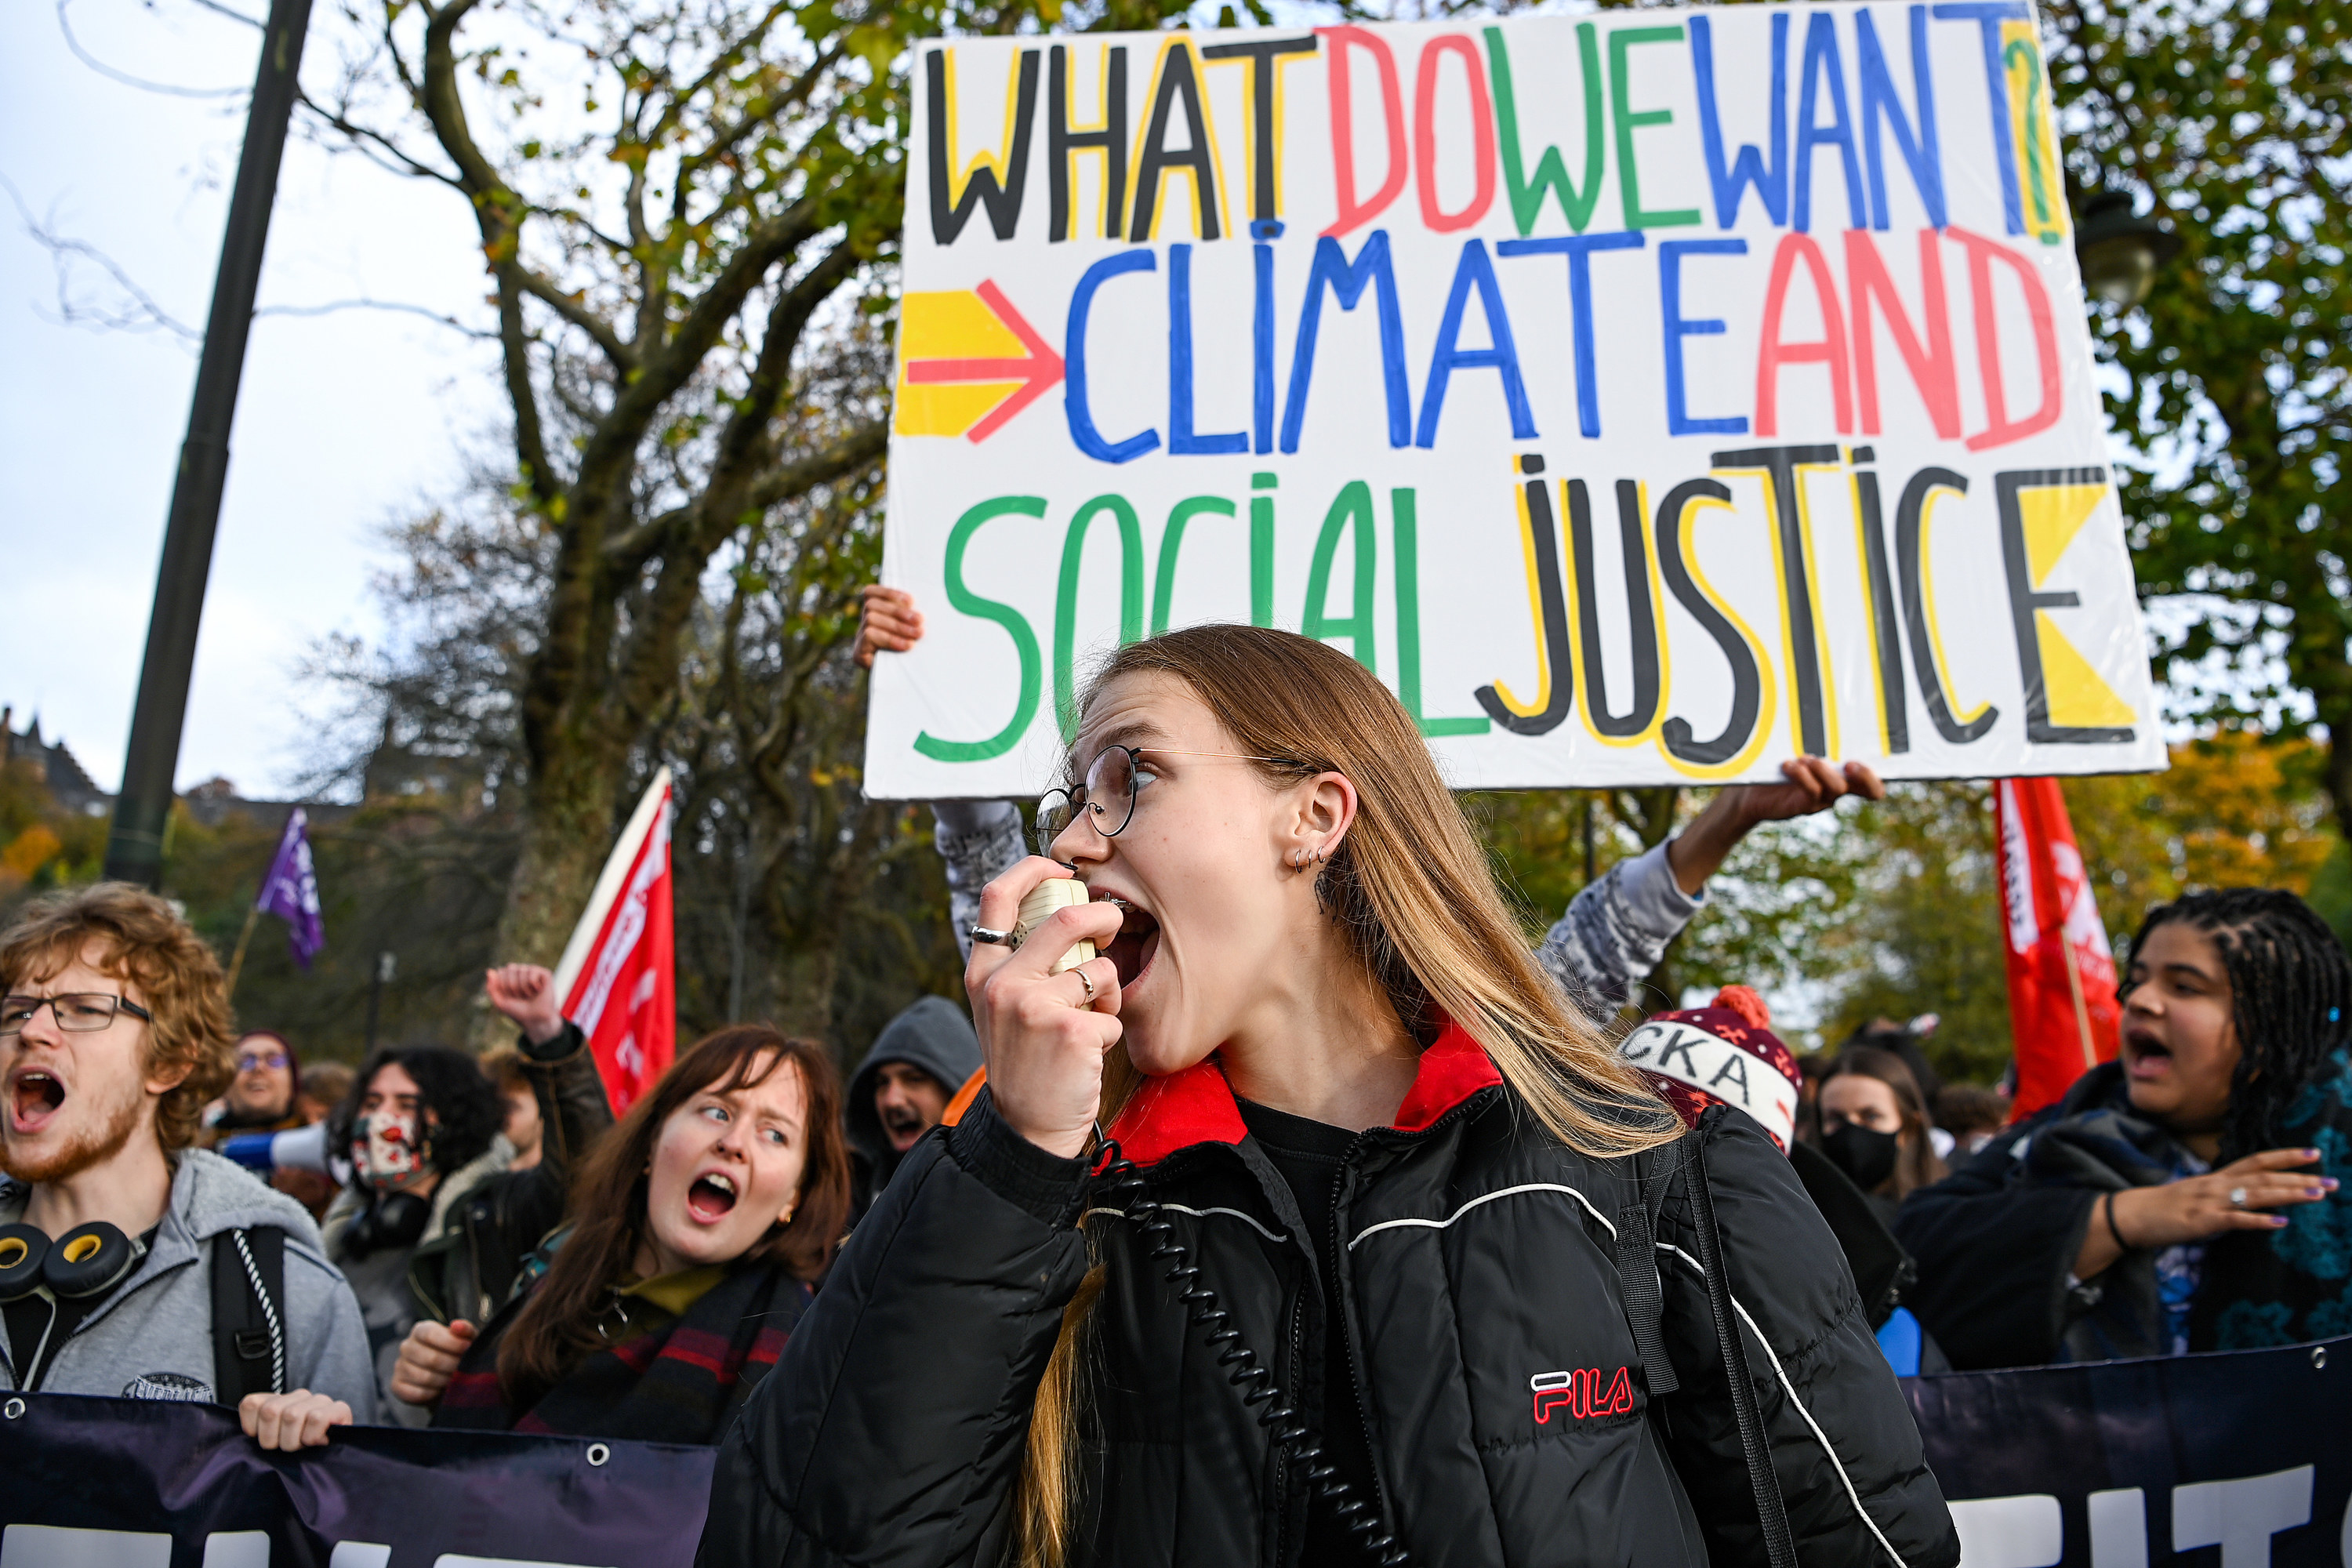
1724	1053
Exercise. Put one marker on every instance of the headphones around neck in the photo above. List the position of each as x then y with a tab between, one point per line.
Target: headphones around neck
88	1260
392	1219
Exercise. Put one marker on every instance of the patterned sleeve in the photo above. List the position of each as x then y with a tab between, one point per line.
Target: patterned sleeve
980	840
1615	932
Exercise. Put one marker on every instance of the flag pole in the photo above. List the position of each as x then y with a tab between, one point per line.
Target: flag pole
2081	1011
237	962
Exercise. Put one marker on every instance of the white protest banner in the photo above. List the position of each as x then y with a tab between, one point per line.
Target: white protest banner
1646	398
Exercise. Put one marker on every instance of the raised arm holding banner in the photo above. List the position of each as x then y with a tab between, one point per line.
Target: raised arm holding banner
1647	398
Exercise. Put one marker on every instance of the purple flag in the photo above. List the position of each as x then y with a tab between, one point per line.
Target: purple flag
290	891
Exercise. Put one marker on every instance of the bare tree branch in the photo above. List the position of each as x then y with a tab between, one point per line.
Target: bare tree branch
599	331
438	318
147	317
142	83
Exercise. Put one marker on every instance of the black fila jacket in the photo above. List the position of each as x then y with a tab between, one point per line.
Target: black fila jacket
1506	1409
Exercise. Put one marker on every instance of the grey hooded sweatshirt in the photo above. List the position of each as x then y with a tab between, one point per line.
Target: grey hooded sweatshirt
934	1036
161	1319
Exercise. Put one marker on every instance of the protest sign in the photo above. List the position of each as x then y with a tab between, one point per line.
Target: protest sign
2121	1464
1646	398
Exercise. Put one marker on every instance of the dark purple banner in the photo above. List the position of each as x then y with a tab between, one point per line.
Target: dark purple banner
119	1483
2125	1464
2242	1460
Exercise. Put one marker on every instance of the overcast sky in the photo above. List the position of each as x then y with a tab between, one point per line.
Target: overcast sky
346	421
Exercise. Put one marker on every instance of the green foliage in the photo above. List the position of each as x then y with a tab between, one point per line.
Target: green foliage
2236	406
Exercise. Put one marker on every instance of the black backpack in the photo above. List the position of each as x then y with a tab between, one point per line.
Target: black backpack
1637	1270
248	1313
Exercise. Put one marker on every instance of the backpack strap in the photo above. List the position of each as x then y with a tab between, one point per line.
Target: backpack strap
1771	1512
248	1313
1637	1265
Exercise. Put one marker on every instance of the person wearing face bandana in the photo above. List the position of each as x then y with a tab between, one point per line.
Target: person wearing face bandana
420	1128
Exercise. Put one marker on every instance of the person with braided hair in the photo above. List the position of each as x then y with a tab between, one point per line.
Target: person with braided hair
2187	1196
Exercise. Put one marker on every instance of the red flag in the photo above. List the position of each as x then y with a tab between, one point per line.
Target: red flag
2062	974
619	974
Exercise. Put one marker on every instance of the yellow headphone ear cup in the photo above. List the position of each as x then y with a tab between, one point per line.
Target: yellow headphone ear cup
90	1259
23	1249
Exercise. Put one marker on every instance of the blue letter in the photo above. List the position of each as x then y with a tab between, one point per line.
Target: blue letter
1920	151
1182	442
1988	15
1346	280
1579	250
1670	293
1474	272
1821	53
1262	333
1073	361
1771	180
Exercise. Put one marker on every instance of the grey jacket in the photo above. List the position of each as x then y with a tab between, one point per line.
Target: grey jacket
160	1320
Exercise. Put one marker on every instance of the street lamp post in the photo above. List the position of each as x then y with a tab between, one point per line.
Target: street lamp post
134	847
2119	253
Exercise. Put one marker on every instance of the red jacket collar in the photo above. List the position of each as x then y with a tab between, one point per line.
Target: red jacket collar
1197	1106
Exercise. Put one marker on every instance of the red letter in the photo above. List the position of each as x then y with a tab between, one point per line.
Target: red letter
1932	369
1999	431
1621	1394
1830	351
1424	132
1343	128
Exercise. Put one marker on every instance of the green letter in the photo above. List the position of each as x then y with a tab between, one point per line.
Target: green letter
1526	201
1408	592
1354	505
1262	551
1024	641
1066	599
1629	183
1163	586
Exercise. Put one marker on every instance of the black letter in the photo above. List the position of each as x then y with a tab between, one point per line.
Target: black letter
2023	601
1261	54
1908	518
1804	646
1639	612
1893	710
1003	202
1544	534
1061	140
1176	76
1746	687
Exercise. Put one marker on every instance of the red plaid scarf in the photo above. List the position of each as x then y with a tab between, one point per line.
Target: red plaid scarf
682	1383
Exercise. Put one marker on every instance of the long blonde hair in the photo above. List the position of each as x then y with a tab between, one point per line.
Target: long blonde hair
1419	903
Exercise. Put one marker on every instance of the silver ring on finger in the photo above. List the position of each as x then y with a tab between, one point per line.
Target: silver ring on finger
1088	981
988	934
2237	1197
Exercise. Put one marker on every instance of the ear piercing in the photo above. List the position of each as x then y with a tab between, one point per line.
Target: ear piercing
1300	859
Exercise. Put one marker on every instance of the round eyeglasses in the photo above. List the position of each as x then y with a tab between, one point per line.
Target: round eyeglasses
1108	795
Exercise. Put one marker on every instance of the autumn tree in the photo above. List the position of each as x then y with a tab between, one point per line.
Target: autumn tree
2233	399
679	208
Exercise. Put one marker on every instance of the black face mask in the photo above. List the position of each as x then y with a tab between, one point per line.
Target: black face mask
1867	1157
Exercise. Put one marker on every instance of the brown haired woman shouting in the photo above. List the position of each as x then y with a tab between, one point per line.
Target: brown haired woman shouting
697	1228
1364	1272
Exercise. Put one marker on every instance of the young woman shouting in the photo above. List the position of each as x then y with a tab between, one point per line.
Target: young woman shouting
1394	1162
2189	1196
697	1229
